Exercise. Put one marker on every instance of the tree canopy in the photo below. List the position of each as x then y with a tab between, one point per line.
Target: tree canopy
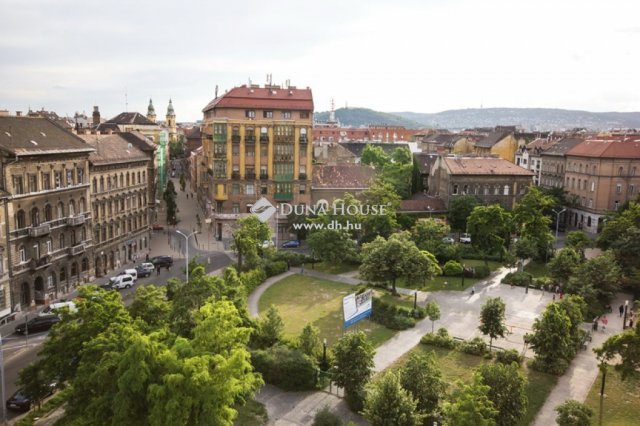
353	366
507	391
492	318
489	227
246	238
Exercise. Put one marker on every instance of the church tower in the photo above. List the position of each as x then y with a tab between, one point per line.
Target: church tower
171	123
151	112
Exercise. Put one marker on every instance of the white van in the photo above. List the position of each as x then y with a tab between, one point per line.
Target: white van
122	281
131	272
54	307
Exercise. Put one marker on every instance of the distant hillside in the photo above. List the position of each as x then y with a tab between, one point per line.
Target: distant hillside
357	117
527	118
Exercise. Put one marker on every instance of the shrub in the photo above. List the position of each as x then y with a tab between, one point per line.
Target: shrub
391	316
292	258
275	267
287	368
325	417
558	367
508	356
440	339
447	252
540	282
521	279
475	346
253	278
452	269
481	271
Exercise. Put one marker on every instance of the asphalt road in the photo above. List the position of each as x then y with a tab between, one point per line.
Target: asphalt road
20	351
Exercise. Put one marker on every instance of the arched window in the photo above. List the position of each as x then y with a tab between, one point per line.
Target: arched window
74	269
121	180
63	274
620	171
83	233
48	213
633	171
72	208
82	205
101	183
35	217
139	180
95	185
97	234
144	175
85	264
594	170
21	221
62	241
60	210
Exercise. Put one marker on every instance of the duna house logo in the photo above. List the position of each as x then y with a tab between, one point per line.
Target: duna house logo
263	209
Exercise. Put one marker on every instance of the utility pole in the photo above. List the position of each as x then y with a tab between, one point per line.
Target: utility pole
186	242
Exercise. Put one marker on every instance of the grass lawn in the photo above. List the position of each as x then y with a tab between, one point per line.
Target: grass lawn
331	268
449	283
302	299
459	366
537	269
252	413
621	400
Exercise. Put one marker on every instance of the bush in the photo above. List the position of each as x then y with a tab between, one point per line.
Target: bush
481	271
440	339
447	252
275	267
557	368
508	356
475	346
391	316
253	278
325	417
287	368
540	282
452	269
292	258
520	279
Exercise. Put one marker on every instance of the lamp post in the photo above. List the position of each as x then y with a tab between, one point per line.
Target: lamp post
558	221
324	353
624	321
462	283
186	243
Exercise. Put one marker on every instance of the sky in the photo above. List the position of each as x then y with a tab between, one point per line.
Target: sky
401	55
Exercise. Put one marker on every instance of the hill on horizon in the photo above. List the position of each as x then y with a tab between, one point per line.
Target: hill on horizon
532	119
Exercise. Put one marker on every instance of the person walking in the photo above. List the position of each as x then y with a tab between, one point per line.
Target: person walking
158	270
630	322
621	309
473	290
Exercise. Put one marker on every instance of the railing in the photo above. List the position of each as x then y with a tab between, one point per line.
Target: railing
77	249
250	176
302	176
250	139
217	137
283	196
283	177
264	138
283	158
75	220
235	175
39	231
264	176
283	139
43	262
303	140
235	138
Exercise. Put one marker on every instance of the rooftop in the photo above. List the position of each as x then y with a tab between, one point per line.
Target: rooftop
344	176
492	138
268	97
484	166
114	148
34	136
562	146
609	147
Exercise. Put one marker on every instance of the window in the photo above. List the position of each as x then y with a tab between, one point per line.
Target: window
593	186
620	171
303	188
506	190
618	189
22	255
496	190
267	114
250	189
632	189
455	190
286	115
62	243
46	181
250	113
35	217
235	149
465	189
70	178
18	188
235	189
264	150
33	183
21	220
616	204
304	114
80	173
60	210
48	214
2	271
49	246
250	151
590	202
235	208
36	251
486	190
263	189
633	171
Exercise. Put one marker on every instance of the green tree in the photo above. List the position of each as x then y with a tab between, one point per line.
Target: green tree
309	341
387	403
388	260
421	377
353	366
573	413
380	193
470	406
433	312
564	265
578	241
246	238
490	229
374	156
551	340
492	318
35	382
169	197
625	348
460	209
525	248
575	308
621	235
531	221
428	234
333	245
507	391
597	280
269	330
326	417
151	306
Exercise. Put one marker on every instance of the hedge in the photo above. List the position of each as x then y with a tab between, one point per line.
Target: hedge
275	267
287	368
481	271
521	279
475	346
253	278
440	339
395	317
508	356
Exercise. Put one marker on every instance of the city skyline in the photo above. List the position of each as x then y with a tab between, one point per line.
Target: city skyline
68	56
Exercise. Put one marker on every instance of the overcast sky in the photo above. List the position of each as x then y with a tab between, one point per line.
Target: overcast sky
400	55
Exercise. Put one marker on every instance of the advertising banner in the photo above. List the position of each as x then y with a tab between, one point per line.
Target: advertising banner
357	307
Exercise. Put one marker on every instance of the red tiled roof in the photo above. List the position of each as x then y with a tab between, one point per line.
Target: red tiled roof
484	166
422	203
344	176
264	98
610	147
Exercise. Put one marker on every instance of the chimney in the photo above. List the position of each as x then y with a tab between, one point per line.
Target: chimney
18	113
96	116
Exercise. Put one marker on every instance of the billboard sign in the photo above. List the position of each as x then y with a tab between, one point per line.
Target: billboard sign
357	307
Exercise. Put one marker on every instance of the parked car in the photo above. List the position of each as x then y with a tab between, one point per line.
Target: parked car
291	244
157	227
19	401
132	272
145	269
448	240
465	238
55	307
122	281
266	244
107	286
39	323
162	261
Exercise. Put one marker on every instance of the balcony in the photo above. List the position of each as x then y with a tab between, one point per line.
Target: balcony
250	139
264	176
283	177
250	176
77	249
75	220
302	140
220	195
39	231
283	139
283	158
302	176
43	262
283	196
235	175
220	137
235	138
264	138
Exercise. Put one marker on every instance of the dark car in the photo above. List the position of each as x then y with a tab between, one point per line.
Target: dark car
36	324
291	244
162	261
19	401
107	286
145	269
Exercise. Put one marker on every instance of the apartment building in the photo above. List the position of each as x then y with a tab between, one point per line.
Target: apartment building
119	200
256	143
553	162
601	174
47	228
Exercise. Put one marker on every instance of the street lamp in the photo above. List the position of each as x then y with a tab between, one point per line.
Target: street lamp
324	353
462	283
624	321
186	243
558	220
